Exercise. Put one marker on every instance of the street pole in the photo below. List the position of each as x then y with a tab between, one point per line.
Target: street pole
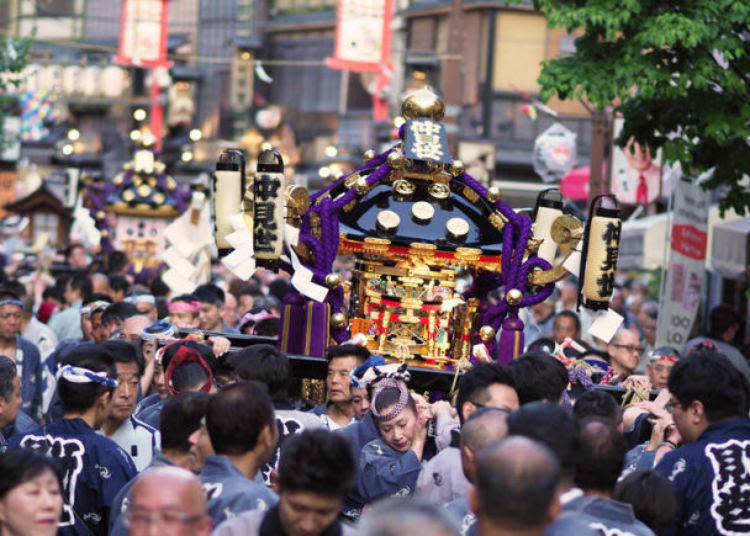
157	110
451	75
598	139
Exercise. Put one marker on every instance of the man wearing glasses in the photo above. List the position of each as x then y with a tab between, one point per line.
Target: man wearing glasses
22	352
709	471
624	354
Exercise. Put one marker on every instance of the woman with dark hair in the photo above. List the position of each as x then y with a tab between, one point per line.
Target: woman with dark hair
30	494
652	497
390	464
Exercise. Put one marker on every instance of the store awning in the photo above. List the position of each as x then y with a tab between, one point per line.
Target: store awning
643	241
730	251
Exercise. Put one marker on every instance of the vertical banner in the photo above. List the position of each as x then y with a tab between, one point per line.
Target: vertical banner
143	33
682	286
7	189
363	43
636	173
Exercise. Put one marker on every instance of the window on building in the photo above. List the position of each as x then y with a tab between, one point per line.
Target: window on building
45	222
520	47
55	8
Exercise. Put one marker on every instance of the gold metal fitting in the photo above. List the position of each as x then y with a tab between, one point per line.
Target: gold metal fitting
361	186
423	103
403	188
369	155
128	196
494	194
100	215
388	221
422	211
297	201
118	180
468	255
470	194
565	229
458	168
514	297
497	220
376	246
333	281
144	190
338	320
457	229
396	159
486	333
171	184
533	245
159	198
440	191
104	233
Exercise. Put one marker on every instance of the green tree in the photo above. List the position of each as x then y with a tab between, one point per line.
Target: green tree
13	60
677	70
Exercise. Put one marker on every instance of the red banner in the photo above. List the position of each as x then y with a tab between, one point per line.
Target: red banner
690	241
143	34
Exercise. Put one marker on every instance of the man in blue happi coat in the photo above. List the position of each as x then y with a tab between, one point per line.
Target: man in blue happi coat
95	467
243	433
710	472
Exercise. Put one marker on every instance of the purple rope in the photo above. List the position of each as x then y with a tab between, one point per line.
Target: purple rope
376	161
374	177
579	375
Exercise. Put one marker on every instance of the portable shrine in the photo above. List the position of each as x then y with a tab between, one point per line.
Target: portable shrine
414	220
133	210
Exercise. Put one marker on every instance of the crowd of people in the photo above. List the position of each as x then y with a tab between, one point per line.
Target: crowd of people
115	419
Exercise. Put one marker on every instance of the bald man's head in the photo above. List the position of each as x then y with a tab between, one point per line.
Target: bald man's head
516	485
484	427
172	497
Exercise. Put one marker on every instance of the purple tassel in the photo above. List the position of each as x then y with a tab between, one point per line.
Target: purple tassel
510	345
304	326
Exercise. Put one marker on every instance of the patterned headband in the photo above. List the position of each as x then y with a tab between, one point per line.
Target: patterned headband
141	298
184	307
83	375
158	330
398	407
185	354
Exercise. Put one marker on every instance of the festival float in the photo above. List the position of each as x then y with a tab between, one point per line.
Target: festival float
133	210
414	220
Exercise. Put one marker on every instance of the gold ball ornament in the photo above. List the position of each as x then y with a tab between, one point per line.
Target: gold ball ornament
369	155
458	168
514	297
494	194
338	320
171	184
104	233
423	103
486	333
148	140
361	186
333	281
396	159
100	215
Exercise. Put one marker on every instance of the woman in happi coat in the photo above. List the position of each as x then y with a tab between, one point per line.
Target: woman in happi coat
390	464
